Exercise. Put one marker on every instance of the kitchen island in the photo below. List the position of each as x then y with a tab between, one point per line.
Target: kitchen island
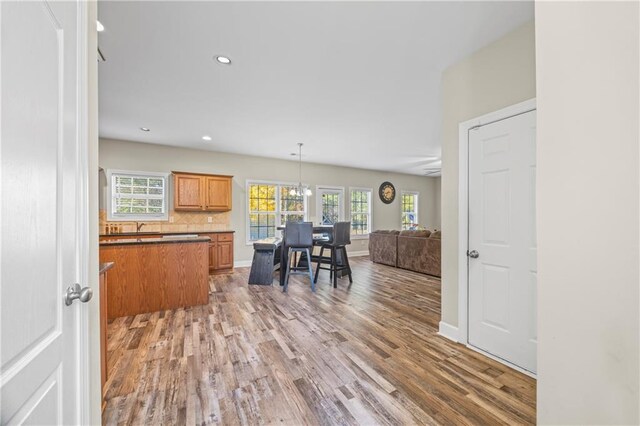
154	274
220	246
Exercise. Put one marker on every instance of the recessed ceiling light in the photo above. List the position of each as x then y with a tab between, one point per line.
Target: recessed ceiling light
145	129
223	60
99	26
206	138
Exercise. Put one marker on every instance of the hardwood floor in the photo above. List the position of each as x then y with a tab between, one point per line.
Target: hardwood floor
365	354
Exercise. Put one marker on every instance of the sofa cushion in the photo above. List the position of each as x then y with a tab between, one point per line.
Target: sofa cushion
386	231
436	234
415	233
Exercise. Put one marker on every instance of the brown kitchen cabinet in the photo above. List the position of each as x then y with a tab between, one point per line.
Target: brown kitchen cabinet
188	191
220	252
201	192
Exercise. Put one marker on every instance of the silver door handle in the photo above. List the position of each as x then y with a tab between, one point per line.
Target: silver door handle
473	254
74	292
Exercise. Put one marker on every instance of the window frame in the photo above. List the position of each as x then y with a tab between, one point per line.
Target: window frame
278	213
290	212
133	217
370	213
328	188
416	201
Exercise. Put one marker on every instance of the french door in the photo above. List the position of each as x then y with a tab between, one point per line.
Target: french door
330	205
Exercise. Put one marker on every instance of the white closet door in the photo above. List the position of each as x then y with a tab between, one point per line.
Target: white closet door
502	278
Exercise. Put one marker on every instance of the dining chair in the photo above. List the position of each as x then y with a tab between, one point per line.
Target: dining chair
298	238
338	244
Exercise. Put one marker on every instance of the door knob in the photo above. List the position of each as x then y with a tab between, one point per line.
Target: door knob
473	254
74	292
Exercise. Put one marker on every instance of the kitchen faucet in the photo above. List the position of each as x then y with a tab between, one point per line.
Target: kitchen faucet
139	226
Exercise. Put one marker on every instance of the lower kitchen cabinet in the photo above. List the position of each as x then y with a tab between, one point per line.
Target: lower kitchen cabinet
224	255
220	252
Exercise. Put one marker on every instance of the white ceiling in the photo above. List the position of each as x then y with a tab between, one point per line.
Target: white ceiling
357	82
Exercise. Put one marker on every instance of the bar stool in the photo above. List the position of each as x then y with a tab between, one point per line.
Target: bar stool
341	238
298	238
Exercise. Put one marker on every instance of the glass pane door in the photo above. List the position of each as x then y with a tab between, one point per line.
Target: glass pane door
330	206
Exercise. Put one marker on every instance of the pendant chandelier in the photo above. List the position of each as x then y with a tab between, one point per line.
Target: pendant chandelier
301	189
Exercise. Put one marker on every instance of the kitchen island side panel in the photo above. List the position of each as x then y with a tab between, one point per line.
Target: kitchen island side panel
154	277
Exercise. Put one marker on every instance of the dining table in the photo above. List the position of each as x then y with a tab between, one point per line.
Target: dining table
321	233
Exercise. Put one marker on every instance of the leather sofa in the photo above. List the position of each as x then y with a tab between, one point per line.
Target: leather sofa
418	251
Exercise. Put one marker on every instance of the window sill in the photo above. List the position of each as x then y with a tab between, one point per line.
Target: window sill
137	219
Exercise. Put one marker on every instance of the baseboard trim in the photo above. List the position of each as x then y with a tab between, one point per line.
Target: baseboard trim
449	331
246	263
241	263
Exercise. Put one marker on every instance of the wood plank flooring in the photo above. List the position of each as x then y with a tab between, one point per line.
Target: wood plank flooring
363	354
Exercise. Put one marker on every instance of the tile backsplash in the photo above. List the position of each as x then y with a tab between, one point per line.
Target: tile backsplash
178	222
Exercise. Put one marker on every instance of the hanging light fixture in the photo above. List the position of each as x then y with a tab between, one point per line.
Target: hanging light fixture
301	189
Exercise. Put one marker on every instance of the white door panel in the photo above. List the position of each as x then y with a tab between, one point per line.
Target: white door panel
495	302
495	208
40	209
502	280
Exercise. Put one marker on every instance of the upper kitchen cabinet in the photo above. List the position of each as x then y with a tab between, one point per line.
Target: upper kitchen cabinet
200	192
217	193
188	191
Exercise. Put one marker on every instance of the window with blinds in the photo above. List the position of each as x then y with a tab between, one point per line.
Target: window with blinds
137	195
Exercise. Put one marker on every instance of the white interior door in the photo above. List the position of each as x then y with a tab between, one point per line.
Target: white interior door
502	278
41	212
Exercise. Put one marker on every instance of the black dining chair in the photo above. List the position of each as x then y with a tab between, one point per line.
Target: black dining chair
298	238
338	244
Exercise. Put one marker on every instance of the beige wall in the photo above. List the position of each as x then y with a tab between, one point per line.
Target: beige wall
494	77
147	157
438	197
588	257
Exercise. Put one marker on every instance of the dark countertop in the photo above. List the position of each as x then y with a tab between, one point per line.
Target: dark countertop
133	234
135	241
104	267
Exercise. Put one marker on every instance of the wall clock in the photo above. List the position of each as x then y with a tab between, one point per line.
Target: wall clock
387	192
